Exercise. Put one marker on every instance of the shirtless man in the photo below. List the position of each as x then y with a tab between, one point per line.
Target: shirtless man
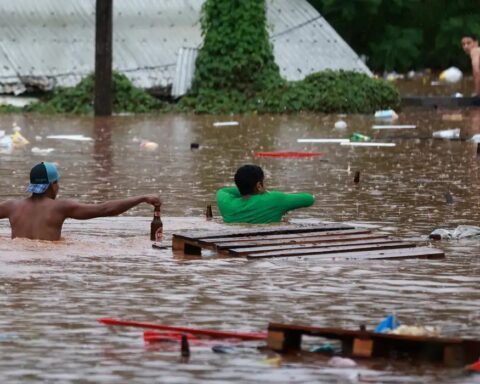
471	48
41	217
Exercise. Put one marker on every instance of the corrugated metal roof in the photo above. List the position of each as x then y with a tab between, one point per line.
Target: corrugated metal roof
52	41
304	42
184	71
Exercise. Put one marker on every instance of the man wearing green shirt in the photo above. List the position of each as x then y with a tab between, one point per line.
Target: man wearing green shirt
250	202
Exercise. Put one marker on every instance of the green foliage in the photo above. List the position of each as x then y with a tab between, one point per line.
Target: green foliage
79	99
404	34
10	109
236	72
236	52
332	92
398	50
327	91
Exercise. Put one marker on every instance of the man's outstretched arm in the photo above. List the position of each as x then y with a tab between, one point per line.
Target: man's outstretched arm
75	210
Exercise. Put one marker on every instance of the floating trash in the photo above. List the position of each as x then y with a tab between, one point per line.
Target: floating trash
388	324
226	123
369	144
461	232
41	151
452	117
475	138
389	114
452	134
451	75
341	362
340	124
18	140
416	330
359	137
475	367
6	143
70	137
148	145
392	126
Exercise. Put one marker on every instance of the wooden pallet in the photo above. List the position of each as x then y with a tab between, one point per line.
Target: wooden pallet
362	343
325	241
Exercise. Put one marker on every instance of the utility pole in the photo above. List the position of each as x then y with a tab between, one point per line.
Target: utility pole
103	58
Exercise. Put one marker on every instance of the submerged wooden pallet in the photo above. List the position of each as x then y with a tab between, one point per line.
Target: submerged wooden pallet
362	343
324	241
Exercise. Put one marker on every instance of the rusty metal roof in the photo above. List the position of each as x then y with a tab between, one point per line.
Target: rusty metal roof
51	42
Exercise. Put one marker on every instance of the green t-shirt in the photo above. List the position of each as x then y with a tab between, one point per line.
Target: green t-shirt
263	208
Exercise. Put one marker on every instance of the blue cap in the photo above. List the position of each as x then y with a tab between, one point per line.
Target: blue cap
41	176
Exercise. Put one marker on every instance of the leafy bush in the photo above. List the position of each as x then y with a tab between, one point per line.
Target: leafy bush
236	53
332	92
236	73
80	99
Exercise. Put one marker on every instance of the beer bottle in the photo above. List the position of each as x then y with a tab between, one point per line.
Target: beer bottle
209	213
156	227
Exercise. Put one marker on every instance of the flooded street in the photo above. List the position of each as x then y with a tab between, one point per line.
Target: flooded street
52	293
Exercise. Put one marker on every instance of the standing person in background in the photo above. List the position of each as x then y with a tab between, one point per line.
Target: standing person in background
250	202
471	48
41	216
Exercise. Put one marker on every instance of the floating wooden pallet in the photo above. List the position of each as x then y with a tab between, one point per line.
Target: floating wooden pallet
325	241
362	343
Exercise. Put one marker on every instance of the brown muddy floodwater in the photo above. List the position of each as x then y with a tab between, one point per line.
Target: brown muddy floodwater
52	293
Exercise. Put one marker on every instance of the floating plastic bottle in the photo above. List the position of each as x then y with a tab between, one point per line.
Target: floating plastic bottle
452	134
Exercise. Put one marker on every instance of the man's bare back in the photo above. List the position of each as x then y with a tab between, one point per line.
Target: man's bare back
41	216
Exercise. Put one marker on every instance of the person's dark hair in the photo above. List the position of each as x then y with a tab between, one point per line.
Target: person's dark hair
246	177
471	36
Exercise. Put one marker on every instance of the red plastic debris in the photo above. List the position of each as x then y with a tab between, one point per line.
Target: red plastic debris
475	367
288	154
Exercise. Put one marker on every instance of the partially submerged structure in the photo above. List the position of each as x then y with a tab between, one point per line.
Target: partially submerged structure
49	43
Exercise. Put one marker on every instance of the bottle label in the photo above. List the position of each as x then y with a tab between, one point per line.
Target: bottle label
159	234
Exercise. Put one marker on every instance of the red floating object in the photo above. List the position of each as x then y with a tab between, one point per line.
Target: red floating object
475	367
194	331
288	154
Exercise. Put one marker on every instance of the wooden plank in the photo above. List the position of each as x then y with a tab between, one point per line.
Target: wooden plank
218	240
285	247
303	240
265	230
399	253
334	250
284	341
339	333
189	247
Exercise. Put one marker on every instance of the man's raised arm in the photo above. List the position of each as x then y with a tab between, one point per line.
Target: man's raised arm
75	210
